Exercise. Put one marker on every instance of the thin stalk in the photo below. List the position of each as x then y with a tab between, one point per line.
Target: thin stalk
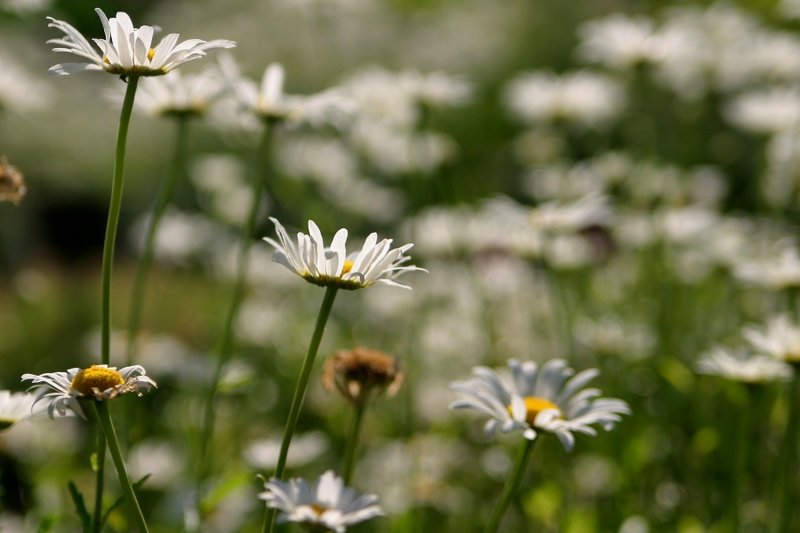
299	395
113	215
115	205
352	441
742	444
162	200
511	487
789	453
97	522
101	409
226	342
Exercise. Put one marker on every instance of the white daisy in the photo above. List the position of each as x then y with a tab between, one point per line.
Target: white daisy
15	406
127	50
309	258
192	94
328	503
99	382
549	398
740	366
780	338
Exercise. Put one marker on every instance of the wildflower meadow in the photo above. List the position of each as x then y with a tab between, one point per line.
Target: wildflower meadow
402	266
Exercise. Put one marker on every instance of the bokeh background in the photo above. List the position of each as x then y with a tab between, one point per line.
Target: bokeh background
611	182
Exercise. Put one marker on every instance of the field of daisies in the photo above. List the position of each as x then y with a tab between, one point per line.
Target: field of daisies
402	266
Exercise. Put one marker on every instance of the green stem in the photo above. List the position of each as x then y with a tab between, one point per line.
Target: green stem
113	215
159	207
742	444
299	395
352	441
97	523
101	410
511	487
226	342
789	456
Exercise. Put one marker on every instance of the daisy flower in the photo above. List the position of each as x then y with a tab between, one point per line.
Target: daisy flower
309	258
780	338
550	398
739	366
126	50
178	95
326	504
99	382
15	406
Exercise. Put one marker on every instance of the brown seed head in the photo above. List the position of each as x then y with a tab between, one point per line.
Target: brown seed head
355	373
12	183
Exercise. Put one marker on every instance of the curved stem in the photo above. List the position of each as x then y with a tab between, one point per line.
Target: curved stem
300	394
352	442
101	409
788	462
226	342
159	207
511	487
113	215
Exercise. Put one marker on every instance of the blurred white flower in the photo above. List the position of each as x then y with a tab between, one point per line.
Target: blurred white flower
582	98
310	259
162	461
98	382
328	503
24	6
780	338
769	111
609	334
618	41
744	367
568	217
778	271
263	453
19	91
436	89
192	94
548	398
15	406
126	50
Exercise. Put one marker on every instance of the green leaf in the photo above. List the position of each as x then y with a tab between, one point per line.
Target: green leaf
118	501
80	508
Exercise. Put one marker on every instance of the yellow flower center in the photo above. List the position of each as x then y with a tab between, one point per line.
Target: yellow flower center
535	405
318	509
96	377
151	53
347	267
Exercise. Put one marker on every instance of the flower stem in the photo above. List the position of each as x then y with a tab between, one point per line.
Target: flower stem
97	523
159	207
789	456
226	341
742	450
352	442
101	409
113	218
299	395
511	487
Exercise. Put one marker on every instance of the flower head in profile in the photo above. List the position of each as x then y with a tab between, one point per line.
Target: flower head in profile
550	397
98	382
780	339
176	95
309	258
15	406
744	367
358	372
325	505
126	50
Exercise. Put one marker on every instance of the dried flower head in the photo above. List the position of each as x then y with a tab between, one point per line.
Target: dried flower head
12	183
357	372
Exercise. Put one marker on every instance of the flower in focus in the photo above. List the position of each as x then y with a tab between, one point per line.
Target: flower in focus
357	372
738	366
15	406
99	382
327	503
127	50
192	94
308	257
12	183
549	398
779	339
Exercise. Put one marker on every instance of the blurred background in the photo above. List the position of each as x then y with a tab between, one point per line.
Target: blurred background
611	182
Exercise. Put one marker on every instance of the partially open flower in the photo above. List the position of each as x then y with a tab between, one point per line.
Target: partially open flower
15	406
357	372
12	184
98	382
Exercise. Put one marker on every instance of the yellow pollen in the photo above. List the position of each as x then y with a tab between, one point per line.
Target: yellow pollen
348	266
96	377
318	509
535	405
106	60
151	53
